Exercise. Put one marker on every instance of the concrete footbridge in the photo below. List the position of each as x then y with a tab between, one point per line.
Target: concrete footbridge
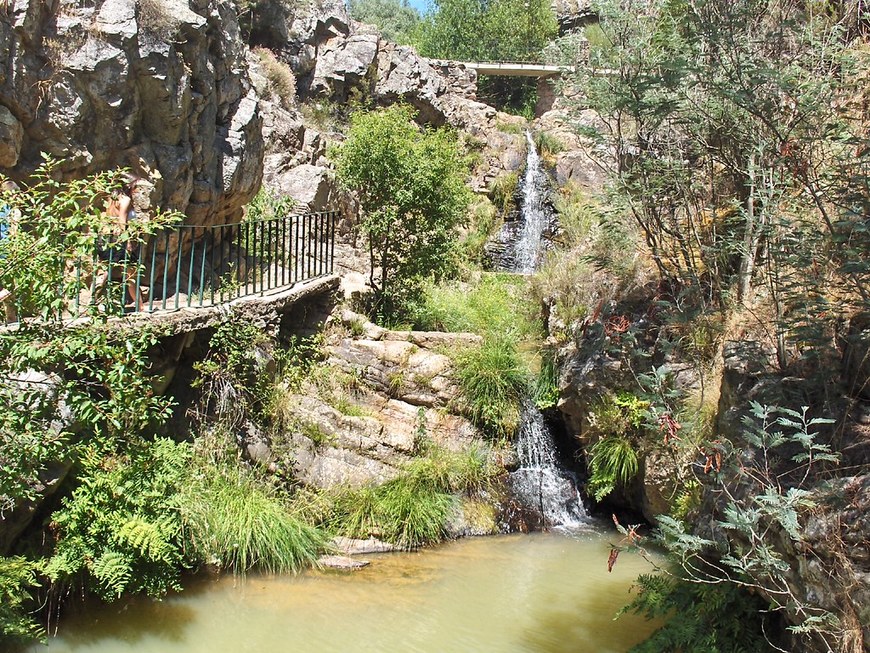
506	68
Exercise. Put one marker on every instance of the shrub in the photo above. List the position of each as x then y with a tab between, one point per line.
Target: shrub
548	145
17	578
510	127
119	531
282	82
494	383
232	375
700	618
481	226
234	522
595	259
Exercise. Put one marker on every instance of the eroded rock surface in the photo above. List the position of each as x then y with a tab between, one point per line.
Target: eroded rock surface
160	86
376	400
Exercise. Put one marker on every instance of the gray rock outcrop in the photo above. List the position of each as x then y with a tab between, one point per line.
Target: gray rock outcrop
362	419
157	85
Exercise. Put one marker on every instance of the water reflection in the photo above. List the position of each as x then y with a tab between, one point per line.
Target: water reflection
541	593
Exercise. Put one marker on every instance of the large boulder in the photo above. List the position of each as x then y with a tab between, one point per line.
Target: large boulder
160	86
313	187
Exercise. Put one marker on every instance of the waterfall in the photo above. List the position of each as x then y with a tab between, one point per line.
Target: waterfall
535	214
541	483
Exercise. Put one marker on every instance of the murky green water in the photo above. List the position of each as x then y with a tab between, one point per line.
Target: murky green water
518	593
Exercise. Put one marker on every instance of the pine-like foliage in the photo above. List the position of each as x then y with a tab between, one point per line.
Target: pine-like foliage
699	618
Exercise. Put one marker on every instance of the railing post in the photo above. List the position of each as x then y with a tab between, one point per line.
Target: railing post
334	220
205	235
165	267
298	222
153	240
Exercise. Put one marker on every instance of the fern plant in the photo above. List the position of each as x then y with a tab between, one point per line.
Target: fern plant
119	532
613	462
17	578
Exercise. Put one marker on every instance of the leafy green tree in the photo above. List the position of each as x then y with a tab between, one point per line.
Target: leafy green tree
397	20
410	183
96	374
454	29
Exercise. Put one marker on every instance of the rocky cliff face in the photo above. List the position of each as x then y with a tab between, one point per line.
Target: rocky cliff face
158	85
337	63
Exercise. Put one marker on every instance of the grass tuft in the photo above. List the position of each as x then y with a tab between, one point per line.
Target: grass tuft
413	509
494	382
231	520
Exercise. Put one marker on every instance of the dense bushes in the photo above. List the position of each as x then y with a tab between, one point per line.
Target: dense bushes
700	618
120	531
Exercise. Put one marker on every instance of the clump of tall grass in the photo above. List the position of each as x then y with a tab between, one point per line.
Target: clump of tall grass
494	382
401	511
548	145
503	191
231	520
414	508
488	304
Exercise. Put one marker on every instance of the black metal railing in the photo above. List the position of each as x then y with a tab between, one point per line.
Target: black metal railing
195	266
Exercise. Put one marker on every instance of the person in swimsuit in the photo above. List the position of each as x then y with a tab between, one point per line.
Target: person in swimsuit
117	253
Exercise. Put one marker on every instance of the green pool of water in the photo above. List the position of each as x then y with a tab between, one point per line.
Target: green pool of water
516	593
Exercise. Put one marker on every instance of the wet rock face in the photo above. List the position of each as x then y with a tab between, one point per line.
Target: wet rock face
157	85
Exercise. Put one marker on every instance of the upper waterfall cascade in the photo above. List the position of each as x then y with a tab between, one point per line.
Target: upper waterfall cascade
534	212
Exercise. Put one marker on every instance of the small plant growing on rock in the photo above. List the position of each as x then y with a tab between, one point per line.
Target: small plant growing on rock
281	80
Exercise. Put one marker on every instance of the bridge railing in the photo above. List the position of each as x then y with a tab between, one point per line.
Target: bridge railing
194	266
